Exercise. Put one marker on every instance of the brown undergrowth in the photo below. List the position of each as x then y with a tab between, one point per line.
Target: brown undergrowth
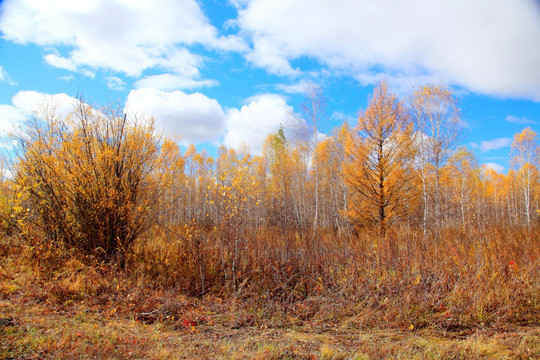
277	296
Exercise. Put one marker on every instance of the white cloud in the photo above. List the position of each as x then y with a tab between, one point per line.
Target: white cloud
494	166
119	35
400	82
270	56
296	88
30	103
495	144
519	120
115	83
252	123
60	62
194	117
486	46
342	117
4	77
34	103
6	174
10	119
172	82
66	77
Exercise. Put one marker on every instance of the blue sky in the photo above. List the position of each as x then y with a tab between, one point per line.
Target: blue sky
231	71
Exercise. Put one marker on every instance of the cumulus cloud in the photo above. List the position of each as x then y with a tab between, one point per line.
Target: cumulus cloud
495	144
30	103
123	36
484	46
253	122
33	102
194	117
172	82
10	119
197	118
494	166
519	120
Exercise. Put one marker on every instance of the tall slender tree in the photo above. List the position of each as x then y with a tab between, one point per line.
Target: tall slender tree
525	158
312	116
438	125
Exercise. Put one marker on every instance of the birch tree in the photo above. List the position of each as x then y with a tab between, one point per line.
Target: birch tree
525	157
313	115
438	125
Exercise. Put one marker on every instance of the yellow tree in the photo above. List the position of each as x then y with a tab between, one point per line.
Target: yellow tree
438	124
276	153
238	188
463	174
379	155
496	194
237	195
187	207
332	189
285	181
525	157
94	180
511	191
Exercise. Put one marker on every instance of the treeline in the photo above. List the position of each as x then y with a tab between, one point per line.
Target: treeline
99	180
400	166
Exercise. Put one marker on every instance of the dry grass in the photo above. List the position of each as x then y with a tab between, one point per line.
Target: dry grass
458	282
462	296
38	332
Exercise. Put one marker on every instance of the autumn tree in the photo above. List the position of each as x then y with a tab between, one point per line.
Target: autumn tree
285	182
496	192
525	159
238	188
93	180
332	188
313	115
379	155
463	172
438	125
276	153
237	196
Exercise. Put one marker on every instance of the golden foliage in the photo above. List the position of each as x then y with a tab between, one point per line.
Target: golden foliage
92	180
380	153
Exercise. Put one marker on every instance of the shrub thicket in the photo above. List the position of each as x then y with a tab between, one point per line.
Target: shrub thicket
92	180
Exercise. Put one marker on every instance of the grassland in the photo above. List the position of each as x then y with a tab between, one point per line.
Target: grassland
57	304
